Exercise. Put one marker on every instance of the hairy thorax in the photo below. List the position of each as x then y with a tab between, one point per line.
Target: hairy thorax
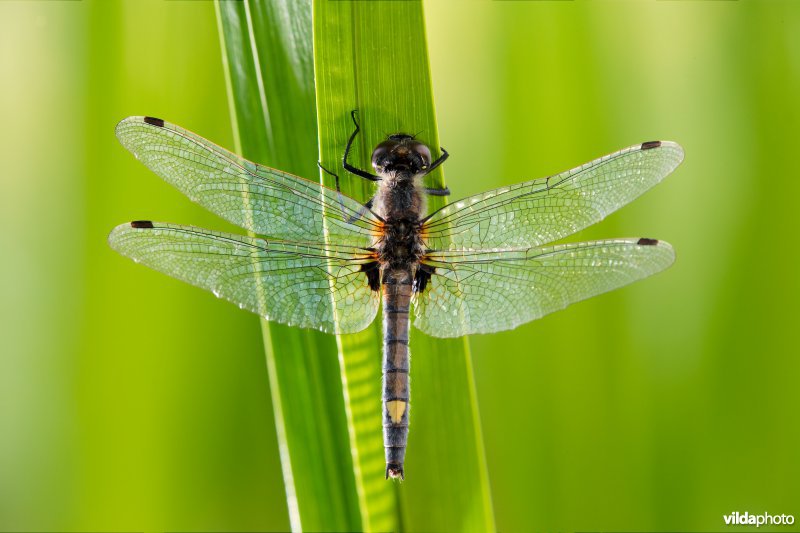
401	203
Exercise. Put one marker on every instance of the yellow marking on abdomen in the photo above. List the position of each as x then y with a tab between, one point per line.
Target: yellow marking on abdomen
396	410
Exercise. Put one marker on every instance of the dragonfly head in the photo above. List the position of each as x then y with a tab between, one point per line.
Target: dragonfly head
401	154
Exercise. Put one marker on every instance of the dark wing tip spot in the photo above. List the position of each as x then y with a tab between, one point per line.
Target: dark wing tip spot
142	224
650	145
644	241
154	121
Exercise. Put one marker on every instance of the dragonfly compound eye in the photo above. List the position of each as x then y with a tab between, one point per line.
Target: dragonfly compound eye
381	154
401	153
422	152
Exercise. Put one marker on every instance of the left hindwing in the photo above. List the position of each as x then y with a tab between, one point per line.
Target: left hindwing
487	291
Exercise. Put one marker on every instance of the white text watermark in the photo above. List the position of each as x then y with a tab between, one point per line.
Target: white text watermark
746	519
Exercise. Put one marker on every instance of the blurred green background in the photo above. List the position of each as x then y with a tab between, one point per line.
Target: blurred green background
130	401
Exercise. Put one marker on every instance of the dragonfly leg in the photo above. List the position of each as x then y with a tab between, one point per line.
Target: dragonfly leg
442	159
437	192
361	212
347	166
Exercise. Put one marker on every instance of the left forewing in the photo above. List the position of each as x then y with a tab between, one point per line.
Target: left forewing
487	291
263	200
306	285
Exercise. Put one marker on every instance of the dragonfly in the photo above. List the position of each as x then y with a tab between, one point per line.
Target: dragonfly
324	260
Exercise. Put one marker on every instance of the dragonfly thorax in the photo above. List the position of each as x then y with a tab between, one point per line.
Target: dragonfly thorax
401	246
400	161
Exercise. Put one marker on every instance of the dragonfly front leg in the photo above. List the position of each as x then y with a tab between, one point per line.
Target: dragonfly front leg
347	166
435	164
435	191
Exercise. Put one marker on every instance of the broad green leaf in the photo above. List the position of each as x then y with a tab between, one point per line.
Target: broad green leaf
372	56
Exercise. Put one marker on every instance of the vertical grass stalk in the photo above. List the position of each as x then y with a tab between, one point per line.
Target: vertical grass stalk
372	56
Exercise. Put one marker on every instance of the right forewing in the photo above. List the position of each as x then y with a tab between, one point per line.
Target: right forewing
545	210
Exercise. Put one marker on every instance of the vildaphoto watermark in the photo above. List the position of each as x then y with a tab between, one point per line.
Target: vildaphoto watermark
746	519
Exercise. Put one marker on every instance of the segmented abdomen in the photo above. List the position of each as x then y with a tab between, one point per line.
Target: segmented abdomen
397	290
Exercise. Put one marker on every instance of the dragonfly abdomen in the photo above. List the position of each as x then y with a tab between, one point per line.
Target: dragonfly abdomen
397	290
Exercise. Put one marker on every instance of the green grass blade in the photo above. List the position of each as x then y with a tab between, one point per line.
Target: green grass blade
268	60
373	56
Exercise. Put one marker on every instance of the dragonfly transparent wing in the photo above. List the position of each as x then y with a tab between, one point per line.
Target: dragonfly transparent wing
286	282
541	211
487	291
260	199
